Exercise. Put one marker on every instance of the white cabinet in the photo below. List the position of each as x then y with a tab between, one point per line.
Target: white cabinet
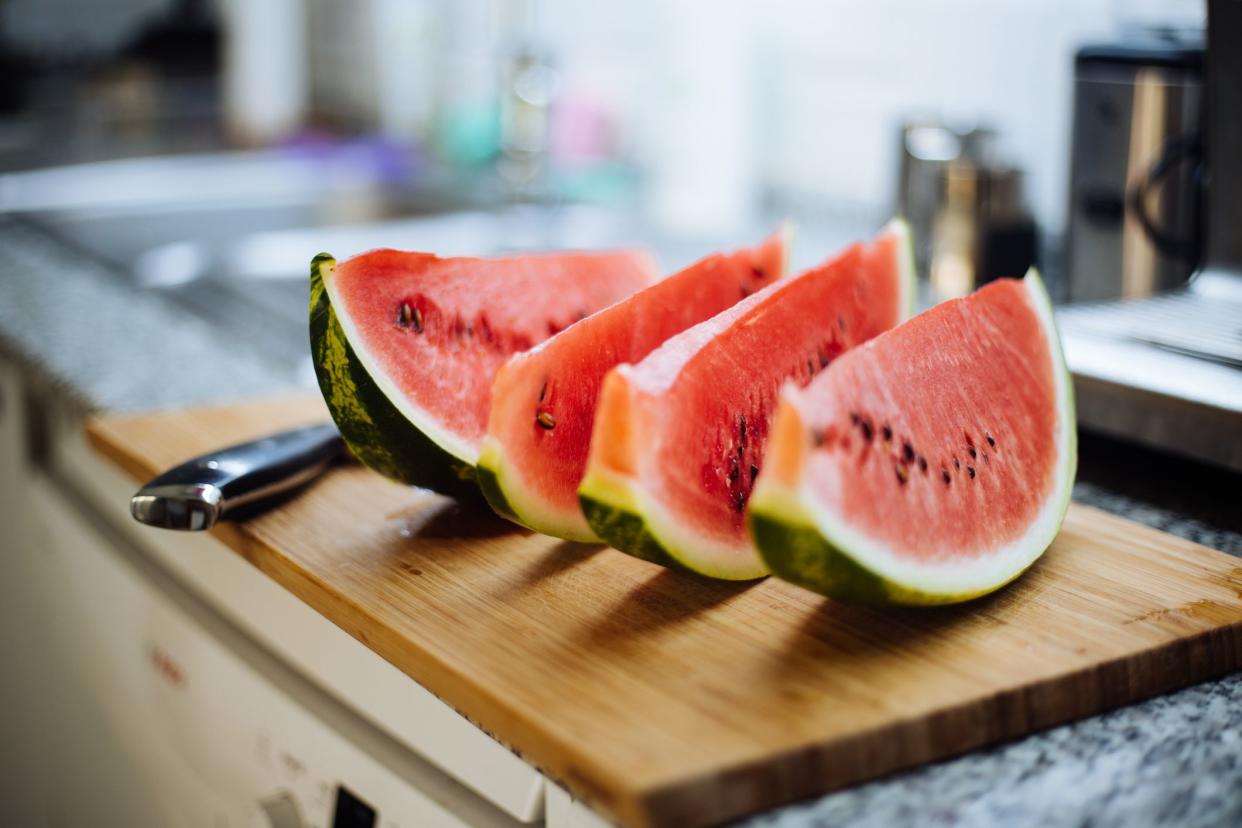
159	715
165	681
263	615
22	750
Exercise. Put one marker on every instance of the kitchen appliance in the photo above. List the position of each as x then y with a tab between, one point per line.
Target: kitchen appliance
927	148
668	700
1135	168
968	221
981	231
1167	370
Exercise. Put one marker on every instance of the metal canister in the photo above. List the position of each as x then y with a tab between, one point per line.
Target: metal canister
1135	180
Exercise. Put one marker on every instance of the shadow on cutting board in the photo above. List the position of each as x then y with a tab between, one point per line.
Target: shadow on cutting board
558	560
668	597
443	518
835	629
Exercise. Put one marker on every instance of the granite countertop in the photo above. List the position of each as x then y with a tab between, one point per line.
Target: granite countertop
85	335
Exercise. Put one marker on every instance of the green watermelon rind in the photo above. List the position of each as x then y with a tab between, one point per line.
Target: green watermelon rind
626	532
610	512
807	546
487	476
489	484
797	552
376	430
501	493
613	505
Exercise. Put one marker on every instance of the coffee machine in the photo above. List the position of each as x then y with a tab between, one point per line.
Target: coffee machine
1136	166
1162	364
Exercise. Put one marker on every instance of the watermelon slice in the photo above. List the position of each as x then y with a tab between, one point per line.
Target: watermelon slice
543	400
406	345
679	437
933	464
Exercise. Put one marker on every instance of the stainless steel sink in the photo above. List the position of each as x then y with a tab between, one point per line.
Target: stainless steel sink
230	236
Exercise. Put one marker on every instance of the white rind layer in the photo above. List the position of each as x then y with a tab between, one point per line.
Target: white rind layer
727	561
976	575
421	419
572	526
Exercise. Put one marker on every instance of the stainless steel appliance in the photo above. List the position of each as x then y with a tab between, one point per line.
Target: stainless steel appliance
1167	370
927	149
965	206
1134	176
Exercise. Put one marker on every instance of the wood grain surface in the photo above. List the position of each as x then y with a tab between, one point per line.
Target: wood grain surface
662	698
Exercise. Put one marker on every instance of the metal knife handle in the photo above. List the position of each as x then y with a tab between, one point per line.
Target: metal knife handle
236	480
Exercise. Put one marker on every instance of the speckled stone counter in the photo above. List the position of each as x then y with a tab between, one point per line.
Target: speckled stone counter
77	325
82	332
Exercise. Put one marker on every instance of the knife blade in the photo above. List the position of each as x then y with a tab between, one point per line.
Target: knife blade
239	480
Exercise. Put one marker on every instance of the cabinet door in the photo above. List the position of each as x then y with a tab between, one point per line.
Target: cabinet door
112	759
12	451
22	750
162	713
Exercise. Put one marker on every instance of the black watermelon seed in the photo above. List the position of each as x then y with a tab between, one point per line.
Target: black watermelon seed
944	474
543	392
732	469
866	430
972	453
971	471
739	501
854	419
991	441
902	473
956	465
545	420
907	451
923	464
840	321
754	472
888	434
409	316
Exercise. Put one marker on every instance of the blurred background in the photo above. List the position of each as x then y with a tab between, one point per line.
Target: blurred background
169	167
199	152
704	117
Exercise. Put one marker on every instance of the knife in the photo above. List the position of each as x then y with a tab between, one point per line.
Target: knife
238	481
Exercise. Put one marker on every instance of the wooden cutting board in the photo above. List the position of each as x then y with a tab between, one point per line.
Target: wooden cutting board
665	699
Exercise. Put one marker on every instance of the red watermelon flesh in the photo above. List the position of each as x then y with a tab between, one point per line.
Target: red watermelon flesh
679	438
543	400
931	465
433	331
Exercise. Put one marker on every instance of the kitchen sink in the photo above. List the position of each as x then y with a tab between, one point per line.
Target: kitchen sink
230	236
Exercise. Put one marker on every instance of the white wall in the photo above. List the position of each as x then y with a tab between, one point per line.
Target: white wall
833	79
